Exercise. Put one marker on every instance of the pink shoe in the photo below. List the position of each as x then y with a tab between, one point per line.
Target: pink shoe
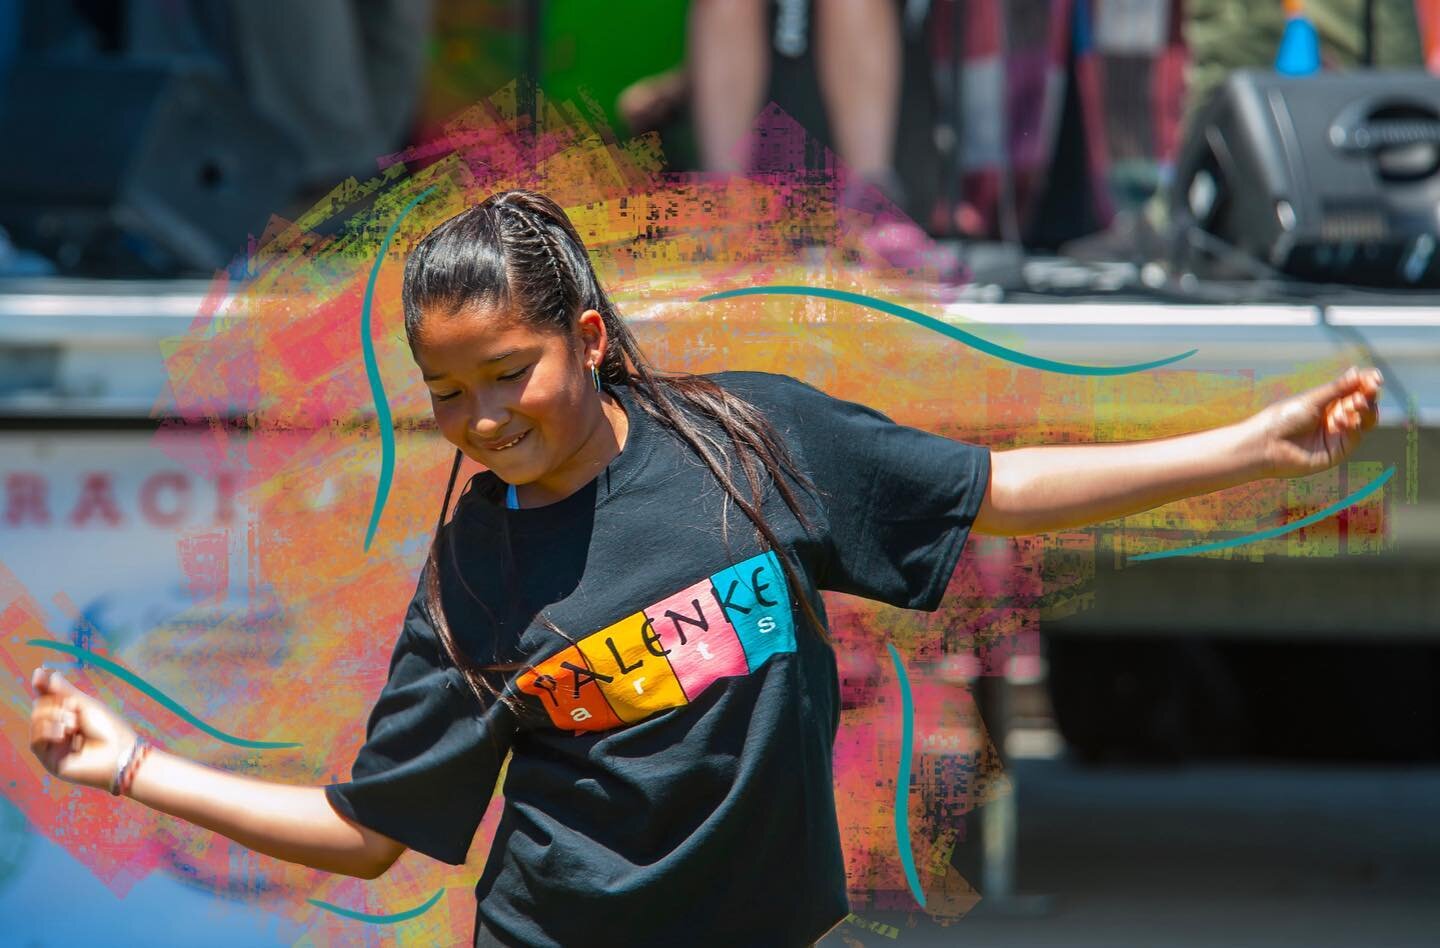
897	239
902	244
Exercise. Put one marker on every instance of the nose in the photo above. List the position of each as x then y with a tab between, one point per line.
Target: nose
489	417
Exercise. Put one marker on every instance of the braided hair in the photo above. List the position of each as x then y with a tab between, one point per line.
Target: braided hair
518	250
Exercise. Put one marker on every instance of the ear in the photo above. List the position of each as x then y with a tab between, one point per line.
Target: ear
593	338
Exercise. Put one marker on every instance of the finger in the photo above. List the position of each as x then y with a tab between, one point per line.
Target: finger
1339	388
51	683
1337	420
60	726
1364	415
58	685
52	755
39	720
51	712
1357	407
1371	414
1353	408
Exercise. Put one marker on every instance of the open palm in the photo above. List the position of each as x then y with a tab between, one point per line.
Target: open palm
1317	429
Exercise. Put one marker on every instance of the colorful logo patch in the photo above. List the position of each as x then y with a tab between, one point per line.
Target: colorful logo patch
666	654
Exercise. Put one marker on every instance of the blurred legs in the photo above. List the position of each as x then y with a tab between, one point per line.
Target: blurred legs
729	54
858	59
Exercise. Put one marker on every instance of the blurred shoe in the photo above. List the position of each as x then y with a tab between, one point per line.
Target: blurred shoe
1131	237
897	239
902	244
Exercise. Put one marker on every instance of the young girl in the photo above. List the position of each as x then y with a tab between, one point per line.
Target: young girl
626	603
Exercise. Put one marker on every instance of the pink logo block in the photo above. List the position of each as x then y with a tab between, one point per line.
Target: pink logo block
701	645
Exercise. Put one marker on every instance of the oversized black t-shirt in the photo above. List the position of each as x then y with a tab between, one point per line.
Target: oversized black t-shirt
670	776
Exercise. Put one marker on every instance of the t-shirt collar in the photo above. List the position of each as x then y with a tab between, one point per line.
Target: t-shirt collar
484	496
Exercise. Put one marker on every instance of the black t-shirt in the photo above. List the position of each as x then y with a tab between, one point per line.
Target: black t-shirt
670	779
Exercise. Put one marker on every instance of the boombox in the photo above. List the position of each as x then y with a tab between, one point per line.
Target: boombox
1331	177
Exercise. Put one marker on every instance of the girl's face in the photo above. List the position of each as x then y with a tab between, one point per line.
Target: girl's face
493	379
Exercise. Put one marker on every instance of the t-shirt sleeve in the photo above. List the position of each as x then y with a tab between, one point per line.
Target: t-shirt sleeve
431	756
900	501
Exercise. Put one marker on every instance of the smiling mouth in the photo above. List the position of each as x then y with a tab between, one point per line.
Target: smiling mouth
509	444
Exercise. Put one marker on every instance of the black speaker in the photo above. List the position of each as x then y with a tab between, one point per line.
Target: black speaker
125	169
1333	177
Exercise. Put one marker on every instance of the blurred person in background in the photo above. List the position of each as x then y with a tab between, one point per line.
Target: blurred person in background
341	78
1222	36
169	130
1225	35
858	48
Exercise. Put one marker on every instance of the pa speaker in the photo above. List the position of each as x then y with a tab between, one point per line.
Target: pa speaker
123	169
1333	177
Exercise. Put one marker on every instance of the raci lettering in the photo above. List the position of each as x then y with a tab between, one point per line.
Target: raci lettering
684	643
101	500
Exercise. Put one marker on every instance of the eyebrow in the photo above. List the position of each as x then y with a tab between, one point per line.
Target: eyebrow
496	358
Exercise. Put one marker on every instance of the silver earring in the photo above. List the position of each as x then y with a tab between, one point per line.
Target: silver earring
595	374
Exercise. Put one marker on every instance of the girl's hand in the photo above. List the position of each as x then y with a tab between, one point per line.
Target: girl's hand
1315	430
75	737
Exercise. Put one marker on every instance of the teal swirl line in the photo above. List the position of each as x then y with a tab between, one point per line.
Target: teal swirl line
380	919
372	371
1317	516
902	779
945	329
150	691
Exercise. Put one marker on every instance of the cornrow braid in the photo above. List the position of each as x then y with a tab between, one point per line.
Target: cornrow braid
539	234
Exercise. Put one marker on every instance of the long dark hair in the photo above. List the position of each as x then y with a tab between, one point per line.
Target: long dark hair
518	250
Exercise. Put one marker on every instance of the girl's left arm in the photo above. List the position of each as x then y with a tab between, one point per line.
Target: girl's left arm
1057	487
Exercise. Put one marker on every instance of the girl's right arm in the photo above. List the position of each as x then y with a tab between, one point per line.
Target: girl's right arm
80	740
293	823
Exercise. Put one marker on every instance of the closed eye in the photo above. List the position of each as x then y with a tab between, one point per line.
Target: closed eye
504	378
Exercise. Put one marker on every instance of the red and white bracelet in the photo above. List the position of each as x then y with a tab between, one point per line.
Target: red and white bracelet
126	766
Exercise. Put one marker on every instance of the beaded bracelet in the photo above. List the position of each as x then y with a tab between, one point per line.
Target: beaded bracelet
125	766
128	778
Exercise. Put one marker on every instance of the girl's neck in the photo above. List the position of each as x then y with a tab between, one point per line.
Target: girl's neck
606	441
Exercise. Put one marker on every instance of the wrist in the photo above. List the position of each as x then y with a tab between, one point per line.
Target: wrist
126	766
1252	447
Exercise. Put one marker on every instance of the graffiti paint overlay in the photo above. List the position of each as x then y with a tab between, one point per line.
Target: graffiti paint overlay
330	502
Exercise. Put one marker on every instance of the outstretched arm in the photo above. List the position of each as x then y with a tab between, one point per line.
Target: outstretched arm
78	739
1056	487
